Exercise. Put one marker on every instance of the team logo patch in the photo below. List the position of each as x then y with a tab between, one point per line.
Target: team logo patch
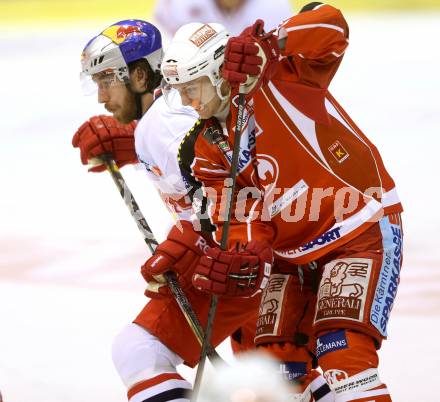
270	307
293	370
343	289
338	151
330	343
202	35
266	174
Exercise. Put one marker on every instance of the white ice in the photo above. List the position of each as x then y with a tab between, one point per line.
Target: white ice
70	254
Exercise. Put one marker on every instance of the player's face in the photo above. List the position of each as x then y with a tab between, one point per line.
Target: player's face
201	95
117	99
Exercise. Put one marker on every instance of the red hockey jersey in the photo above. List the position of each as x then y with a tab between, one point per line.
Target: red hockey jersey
309	180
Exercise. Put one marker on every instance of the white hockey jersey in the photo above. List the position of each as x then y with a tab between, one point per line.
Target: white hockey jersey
172	14
157	138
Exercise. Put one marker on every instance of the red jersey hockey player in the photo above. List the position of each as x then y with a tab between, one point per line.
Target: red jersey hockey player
312	186
123	63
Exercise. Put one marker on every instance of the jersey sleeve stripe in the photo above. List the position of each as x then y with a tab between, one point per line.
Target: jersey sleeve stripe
390	198
309	26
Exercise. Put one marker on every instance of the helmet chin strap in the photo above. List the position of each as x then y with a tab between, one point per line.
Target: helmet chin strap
199	106
222	111
218	89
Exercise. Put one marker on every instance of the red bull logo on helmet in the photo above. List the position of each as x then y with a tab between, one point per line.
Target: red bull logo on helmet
119	33
125	31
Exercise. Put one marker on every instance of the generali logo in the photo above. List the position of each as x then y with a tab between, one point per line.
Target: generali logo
343	289
202	35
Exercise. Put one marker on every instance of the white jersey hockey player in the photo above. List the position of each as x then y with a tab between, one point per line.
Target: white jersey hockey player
123	63
157	138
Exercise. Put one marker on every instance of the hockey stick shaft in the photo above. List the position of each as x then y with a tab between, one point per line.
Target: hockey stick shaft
224	239
130	202
151	242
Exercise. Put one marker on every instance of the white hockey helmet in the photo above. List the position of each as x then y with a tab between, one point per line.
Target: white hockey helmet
196	50
118	45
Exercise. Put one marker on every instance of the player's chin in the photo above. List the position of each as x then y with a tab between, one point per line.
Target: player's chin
123	117
205	113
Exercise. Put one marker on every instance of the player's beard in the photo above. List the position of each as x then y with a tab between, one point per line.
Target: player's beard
125	111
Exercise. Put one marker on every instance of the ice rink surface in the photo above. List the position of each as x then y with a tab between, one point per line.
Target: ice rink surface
70	254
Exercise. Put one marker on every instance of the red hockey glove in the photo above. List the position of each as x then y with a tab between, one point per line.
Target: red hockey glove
104	134
179	253
251	58
241	273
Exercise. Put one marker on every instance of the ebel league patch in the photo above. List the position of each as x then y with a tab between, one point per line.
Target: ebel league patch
331	342
343	289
